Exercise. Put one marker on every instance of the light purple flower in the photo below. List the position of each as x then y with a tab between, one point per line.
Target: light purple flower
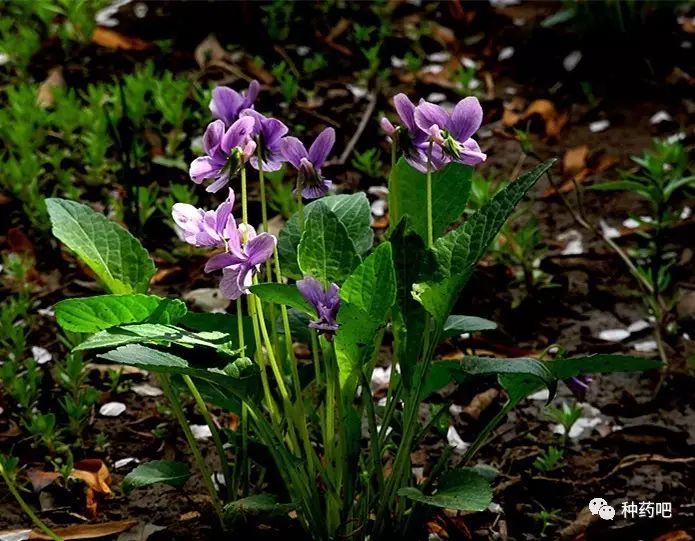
226	103
268	134
579	385
308	164
326	303
227	150
411	140
205	228
246	252
452	132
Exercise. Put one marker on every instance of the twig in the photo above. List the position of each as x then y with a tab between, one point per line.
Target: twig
368	111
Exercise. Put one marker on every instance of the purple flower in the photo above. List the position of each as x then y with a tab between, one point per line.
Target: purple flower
268	133
412	141
205	228
245	254
452	132
308	164
226	104
226	152
326	303
579	385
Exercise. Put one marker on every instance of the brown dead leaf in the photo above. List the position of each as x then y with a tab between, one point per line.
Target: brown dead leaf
677	535
208	51
41	479
190	515
553	120
94	473
574	160
87	531
592	166
44	97
480	403
339	29
436	529
115	40
19	243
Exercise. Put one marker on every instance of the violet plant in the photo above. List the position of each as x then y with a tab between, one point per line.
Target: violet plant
347	295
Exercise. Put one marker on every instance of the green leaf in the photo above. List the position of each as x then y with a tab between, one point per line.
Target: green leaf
531	369
153	332
285	294
255	506
168	472
115	256
353	211
93	314
223	323
464	489
326	251
239	379
411	260
458	251
372	285
622	185
456	325
451	188
366	299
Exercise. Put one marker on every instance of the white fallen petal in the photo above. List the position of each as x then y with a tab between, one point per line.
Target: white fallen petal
574	242
571	60
609	231
455	441
645	346
432	68
436	97
380	191
659	117
201	432
357	91
495	508
123	462
140	10
41	355
208	299
4	58
685	44
15	535
397	62
380	378
218	480
468	63
147	390
439	57
455	409
578	428
46	312
505	54
614	335
379	208
686	213
303	50
599	126
543	395
631	223
637	326
112	409
675	137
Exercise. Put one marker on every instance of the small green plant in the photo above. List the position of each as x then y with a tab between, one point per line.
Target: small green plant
79	398
287	81
547	519
549	460
369	162
565	416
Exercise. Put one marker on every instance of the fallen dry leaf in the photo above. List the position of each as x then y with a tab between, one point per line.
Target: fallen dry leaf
553	120
115	40
677	535
480	403
41	479
592	166
208	51
44	97
19	243
574	160
94	473
87	531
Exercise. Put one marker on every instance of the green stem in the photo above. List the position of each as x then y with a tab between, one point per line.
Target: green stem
481	439
177	410
40	524
430	233
394	211
202	407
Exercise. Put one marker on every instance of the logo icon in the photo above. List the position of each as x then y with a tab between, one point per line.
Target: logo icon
600	507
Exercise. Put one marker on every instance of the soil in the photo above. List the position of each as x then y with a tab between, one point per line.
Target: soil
643	448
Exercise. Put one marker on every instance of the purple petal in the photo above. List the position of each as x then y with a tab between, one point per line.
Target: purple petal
293	150
428	114
226	104
187	217
466	118
220	261
251	93
321	147
311	289
238	134
203	168
315	191
229	285
406	110
224	213
260	248
220	182
388	128
471	154
213	137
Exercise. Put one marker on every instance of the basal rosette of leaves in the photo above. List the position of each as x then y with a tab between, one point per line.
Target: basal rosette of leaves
325	283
